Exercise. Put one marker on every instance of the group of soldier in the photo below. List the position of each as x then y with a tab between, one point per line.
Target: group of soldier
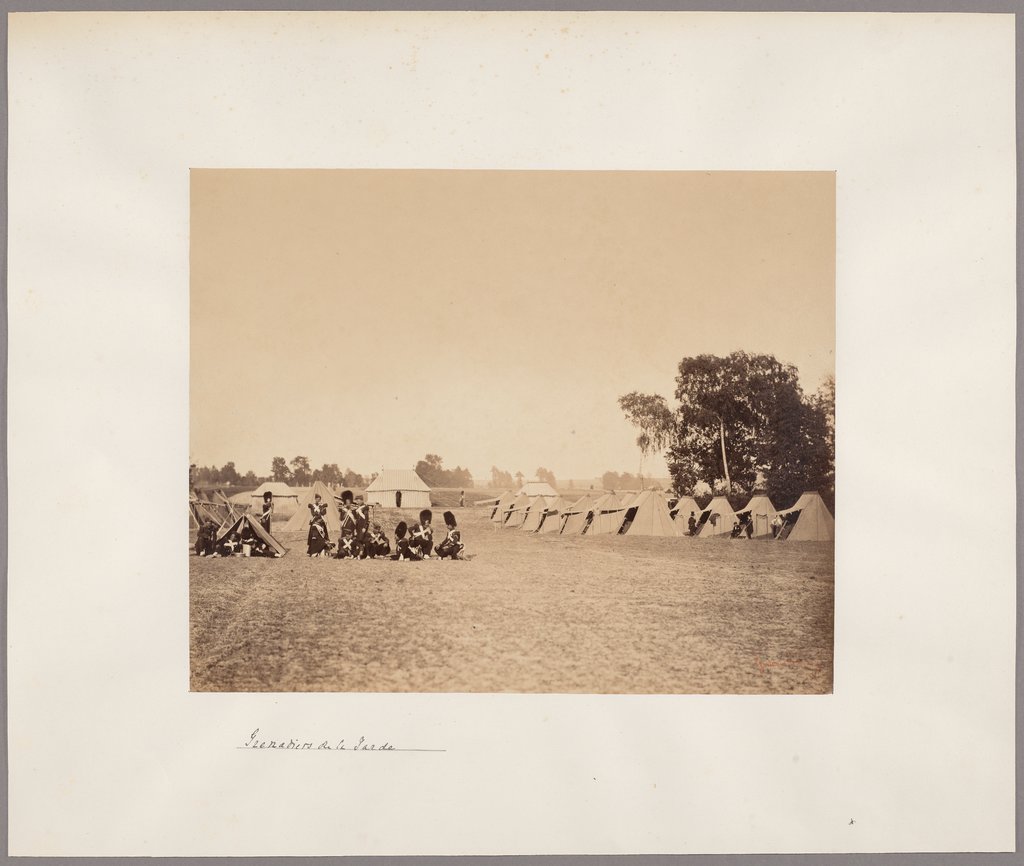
359	539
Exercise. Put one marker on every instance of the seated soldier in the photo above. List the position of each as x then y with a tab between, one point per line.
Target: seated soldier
377	544
230	546
404	549
452	545
206	539
347	532
421	535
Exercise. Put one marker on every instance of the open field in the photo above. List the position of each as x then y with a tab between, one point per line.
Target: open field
528	613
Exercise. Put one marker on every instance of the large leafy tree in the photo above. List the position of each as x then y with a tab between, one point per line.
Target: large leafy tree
279	470
743	419
650	414
301	472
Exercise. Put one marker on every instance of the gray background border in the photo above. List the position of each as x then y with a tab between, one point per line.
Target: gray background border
916	6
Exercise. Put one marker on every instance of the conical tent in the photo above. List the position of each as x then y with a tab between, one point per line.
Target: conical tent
551	519
535	514
299	521
517	514
247	520
576	515
681	512
648	514
609	512
814	522
717	519
762	513
501	509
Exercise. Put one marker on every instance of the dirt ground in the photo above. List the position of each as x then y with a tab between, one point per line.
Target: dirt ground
528	613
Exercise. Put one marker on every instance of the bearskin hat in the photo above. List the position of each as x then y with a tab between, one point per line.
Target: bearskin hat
401	529
449	519
426	515
346	495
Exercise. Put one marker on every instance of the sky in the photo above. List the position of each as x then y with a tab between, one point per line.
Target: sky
367	318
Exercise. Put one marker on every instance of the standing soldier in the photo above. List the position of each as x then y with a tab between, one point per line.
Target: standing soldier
318	540
268	510
362	515
347	518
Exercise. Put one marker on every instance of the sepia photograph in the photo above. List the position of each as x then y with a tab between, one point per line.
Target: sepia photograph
512	431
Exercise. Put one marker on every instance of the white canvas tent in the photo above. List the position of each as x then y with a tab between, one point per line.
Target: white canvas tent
535	515
500	510
517	513
813	522
717	519
398	488
609	512
538	488
762	513
299	521
682	510
647	514
286	500
551	519
575	516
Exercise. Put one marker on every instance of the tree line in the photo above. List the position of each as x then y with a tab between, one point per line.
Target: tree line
740	423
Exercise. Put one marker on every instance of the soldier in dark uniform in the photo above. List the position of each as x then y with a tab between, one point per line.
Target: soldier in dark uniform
206	539
347	533
404	549
318	540
268	510
421	535
362	515
452	545
377	544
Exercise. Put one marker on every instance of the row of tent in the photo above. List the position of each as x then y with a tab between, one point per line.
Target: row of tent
651	512
212	505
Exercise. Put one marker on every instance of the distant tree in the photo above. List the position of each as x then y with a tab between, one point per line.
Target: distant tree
546	475
459	477
610	480
250	479
650	414
279	470
628	481
228	474
192	469
519	479
301	472
353	479
329	474
500	478
431	470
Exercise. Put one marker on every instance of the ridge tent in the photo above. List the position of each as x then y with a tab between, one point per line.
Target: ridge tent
551	519
534	517
648	514
286	500
575	516
762	513
538	488
717	519
810	521
299	521
398	488
248	521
